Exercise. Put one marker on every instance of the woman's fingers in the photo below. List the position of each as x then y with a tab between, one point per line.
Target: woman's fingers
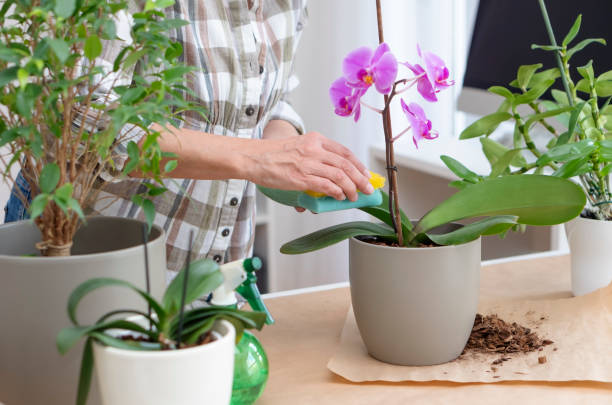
355	175
346	153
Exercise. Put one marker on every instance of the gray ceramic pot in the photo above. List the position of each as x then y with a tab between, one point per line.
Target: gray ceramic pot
34	293
414	306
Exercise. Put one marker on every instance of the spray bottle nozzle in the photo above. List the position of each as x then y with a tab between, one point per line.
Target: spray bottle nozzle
248	289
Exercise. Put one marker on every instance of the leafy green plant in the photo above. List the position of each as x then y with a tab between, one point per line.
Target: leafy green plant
172	326
67	119
583	150
504	202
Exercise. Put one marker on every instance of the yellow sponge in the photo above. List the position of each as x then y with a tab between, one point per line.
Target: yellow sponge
376	180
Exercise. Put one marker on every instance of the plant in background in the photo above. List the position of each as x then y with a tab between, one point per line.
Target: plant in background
64	118
505	202
583	150
169	324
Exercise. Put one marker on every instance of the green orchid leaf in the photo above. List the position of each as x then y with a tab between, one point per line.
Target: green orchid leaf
534	93
460	170
95	283
485	126
574	167
568	151
582	44
541	77
334	234
534	199
381	213
501	91
111	341
204	277
603	88
546	114
284	197
525	73
546	47
494	151
467	233
503	163
573	120
85	374
573	31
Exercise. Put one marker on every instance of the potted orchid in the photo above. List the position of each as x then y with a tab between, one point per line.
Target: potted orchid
414	283
582	150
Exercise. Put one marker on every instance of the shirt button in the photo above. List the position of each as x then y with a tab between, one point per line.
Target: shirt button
217	258
250	111
261	69
234	202
225	232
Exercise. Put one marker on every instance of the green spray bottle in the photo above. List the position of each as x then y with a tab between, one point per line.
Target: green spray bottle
250	362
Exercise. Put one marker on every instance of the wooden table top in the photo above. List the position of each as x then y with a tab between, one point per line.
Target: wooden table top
308	328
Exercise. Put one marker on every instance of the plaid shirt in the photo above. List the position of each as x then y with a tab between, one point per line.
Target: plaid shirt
245	49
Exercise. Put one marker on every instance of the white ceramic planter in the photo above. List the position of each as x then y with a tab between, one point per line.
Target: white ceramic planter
194	376
414	306
34	292
590	243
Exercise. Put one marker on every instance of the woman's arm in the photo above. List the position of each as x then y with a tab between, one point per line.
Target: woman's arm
280	160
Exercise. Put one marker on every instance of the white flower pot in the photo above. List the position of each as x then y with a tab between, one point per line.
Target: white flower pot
590	243
194	376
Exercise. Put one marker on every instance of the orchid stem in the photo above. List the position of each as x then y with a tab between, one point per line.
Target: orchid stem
396	137
370	107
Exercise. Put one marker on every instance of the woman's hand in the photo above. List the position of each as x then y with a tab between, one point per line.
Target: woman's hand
307	162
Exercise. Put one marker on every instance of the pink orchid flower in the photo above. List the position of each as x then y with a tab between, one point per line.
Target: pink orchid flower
364	67
345	98
433	77
421	126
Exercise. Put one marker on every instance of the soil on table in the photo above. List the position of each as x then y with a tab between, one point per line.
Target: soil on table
381	242
493	335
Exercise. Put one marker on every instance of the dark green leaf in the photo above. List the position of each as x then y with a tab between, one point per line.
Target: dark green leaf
460	170
204	277
49	177
381	213
107	340
93	284
92	47
485	126
535	199
573	31
87	364
582	44
467	233
10	55
334	234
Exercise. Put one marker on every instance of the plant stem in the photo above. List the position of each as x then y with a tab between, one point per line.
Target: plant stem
553	41
394	209
185	282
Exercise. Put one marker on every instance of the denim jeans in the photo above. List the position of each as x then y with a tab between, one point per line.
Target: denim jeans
15	209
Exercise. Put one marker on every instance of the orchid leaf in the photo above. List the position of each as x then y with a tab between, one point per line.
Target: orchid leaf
573	31
460	170
534	199
582	44
467	233
568	151
574	167
334	234
204	277
85	374
95	283
573	120
494	151
525	73
485	126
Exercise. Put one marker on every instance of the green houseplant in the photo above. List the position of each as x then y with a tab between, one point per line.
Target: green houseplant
581	150
137	358
68	119
407	276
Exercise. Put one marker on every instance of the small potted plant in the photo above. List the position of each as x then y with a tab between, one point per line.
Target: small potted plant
68	119
581	151
414	283
170	355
